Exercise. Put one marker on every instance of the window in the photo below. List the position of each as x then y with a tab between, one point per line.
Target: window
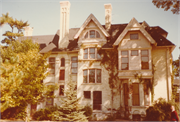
97	100
92	34
52	65
87	94
62	62
135	95
85	76
62	74
134	53
126	94
133	36
91	53
74	65
144	59
49	101
124	60
61	90
92	76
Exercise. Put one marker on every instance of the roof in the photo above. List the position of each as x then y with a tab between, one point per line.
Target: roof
50	42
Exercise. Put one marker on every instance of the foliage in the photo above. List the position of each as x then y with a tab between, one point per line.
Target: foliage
44	114
88	112
110	62
174	5
22	70
70	109
14	24
160	111
110	118
176	68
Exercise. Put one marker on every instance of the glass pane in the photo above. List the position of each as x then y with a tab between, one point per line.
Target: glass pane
86	36
85	56
85	79
85	50
92	76
144	52
92	56
74	58
92	50
97	35
62	62
84	72
124	60
74	70
125	53
144	65
144	59
92	72
74	64
124	66
134	36
134	53
92	34
98	72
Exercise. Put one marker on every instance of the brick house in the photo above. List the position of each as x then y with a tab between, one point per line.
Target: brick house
140	47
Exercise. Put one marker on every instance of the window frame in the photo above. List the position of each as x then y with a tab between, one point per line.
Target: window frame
87	94
97	101
62	74
95	75
144	63
132	35
61	90
74	61
50	65
136	54
89	32
88	54
125	56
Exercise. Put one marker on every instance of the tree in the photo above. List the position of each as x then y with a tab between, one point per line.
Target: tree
22	70
70	109
15	25
174	5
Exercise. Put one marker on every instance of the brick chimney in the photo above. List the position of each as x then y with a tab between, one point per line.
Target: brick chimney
108	16
64	24
28	31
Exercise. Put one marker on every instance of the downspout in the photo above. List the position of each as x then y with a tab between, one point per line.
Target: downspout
167	74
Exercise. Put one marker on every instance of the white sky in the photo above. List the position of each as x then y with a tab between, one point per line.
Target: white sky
44	15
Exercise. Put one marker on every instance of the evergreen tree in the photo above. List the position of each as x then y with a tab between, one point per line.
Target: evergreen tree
70	109
14	25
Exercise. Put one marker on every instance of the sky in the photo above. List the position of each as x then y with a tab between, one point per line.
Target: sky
44	15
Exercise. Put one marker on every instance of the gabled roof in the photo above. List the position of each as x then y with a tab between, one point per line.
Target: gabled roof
93	18
134	25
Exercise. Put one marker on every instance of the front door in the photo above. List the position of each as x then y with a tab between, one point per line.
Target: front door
97	100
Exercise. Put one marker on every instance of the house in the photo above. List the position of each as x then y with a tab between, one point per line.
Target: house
143	50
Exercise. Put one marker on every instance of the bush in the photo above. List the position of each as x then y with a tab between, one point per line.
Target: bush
88	112
160	111
110	118
44	114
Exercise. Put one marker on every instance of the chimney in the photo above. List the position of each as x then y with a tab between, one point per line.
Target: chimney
28	31
108	16
64	24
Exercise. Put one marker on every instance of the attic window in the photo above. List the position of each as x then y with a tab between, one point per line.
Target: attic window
92	34
134	36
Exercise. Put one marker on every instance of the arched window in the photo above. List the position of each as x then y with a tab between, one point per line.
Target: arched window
62	62
92	34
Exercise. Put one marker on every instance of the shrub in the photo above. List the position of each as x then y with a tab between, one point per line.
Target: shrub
44	114
88	112
110	118
160	111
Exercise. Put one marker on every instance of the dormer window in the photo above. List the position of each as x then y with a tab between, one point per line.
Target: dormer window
92	34
134	36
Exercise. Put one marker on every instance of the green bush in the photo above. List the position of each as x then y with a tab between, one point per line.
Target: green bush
110	118
160	111
88	112
44	114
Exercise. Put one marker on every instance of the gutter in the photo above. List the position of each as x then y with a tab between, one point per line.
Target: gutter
167	74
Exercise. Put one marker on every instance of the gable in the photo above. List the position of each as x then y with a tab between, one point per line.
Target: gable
141	42
134	26
88	20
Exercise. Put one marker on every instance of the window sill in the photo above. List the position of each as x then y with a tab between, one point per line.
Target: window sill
91	84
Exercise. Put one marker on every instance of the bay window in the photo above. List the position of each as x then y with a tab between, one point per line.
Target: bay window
91	53
92	76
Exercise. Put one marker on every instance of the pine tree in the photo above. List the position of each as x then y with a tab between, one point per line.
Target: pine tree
70	109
